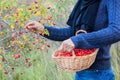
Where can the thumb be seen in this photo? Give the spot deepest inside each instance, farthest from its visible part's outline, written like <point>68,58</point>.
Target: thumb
<point>61,49</point>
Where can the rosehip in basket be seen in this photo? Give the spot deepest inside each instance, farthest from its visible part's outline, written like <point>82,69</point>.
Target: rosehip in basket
<point>83,52</point>
<point>65,54</point>
<point>78,52</point>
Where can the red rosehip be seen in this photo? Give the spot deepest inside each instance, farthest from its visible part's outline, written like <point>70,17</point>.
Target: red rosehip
<point>2,33</point>
<point>27,27</point>
<point>48,46</point>
<point>3,59</point>
<point>36,7</point>
<point>17,56</point>
<point>53,24</point>
<point>33,43</point>
<point>34,12</point>
<point>56,54</point>
<point>13,68</point>
<point>27,60</point>
<point>1,25</point>
<point>29,8</point>
<point>49,18</point>
<point>20,33</point>
<point>29,64</point>
<point>16,64</point>
<point>39,21</point>
<point>35,1</point>
<point>16,21</point>
<point>48,7</point>
<point>66,54</point>
<point>6,72</point>
<point>28,4</point>
<point>39,48</point>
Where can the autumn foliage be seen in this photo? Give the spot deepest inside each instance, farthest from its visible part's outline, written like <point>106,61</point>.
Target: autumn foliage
<point>16,42</point>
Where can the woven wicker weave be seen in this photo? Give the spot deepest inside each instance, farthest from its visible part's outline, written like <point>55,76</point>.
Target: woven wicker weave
<point>75,63</point>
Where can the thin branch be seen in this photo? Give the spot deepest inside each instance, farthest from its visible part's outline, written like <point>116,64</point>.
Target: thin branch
<point>6,22</point>
<point>5,38</point>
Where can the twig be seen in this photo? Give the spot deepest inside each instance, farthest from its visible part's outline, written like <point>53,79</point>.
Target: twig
<point>6,22</point>
<point>5,38</point>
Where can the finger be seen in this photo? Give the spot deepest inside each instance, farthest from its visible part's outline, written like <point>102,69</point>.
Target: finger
<point>32,28</point>
<point>62,48</point>
<point>30,23</point>
<point>68,47</point>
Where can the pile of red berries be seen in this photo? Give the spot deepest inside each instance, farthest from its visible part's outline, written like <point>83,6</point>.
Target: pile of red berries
<point>78,52</point>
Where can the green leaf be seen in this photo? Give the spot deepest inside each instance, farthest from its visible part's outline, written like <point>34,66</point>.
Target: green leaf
<point>46,32</point>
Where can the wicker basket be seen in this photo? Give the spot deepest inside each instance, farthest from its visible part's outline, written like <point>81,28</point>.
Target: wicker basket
<point>75,63</point>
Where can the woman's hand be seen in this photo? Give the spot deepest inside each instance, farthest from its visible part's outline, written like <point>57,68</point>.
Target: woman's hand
<point>67,46</point>
<point>35,27</point>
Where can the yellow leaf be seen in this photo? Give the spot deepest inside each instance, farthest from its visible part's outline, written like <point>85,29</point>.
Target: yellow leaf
<point>2,52</point>
<point>38,13</point>
<point>26,18</point>
<point>22,20</point>
<point>5,17</point>
<point>12,56</point>
<point>15,15</point>
<point>1,57</point>
<point>43,47</point>
<point>0,67</point>
<point>44,13</point>
<point>22,24</point>
<point>36,40</point>
<point>49,21</point>
<point>44,10</point>
<point>12,26</point>
<point>24,37</point>
<point>3,2</point>
<point>20,43</point>
<point>20,10</point>
<point>38,65</point>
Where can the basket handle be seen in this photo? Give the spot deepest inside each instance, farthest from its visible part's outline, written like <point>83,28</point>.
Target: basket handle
<point>83,31</point>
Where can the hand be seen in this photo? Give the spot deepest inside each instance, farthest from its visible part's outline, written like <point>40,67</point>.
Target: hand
<point>67,46</point>
<point>35,27</point>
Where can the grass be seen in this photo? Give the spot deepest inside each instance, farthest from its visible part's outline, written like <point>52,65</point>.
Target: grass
<point>43,68</point>
<point>115,52</point>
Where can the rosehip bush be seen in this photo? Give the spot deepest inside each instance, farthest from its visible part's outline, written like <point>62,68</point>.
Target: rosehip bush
<point>16,42</point>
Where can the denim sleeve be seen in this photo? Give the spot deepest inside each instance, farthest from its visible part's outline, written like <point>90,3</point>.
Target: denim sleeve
<point>59,34</point>
<point>103,37</point>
